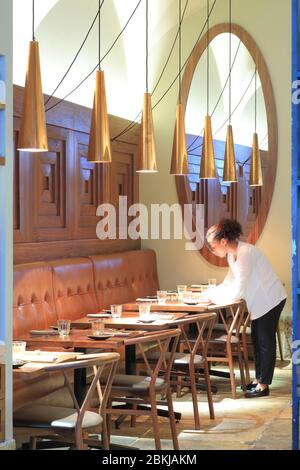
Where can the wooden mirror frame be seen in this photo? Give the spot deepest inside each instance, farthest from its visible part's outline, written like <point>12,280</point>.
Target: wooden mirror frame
<point>182,184</point>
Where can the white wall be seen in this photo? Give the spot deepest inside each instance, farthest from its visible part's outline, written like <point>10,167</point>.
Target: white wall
<point>263,20</point>
<point>6,210</point>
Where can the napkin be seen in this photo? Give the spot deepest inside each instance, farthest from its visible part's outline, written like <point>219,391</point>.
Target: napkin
<point>98,315</point>
<point>141,299</point>
<point>43,332</point>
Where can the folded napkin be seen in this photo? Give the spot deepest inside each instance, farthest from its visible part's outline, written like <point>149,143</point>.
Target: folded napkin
<point>98,315</point>
<point>46,356</point>
<point>121,333</point>
<point>38,357</point>
<point>44,332</point>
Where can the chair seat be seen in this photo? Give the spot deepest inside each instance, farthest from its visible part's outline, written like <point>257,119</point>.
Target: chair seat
<point>223,339</point>
<point>41,416</point>
<point>180,359</point>
<point>136,383</point>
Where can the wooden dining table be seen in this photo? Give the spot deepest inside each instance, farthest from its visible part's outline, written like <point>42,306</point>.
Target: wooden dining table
<point>130,320</point>
<point>169,306</point>
<point>79,341</point>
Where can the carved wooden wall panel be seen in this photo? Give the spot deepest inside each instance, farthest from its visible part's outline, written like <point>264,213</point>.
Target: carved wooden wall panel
<point>89,189</point>
<point>50,197</point>
<point>56,193</point>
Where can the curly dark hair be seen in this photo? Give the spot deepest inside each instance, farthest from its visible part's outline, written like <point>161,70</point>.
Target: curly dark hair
<point>229,229</point>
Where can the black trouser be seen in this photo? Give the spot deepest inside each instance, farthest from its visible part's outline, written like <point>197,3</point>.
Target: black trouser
<point>263,332</point>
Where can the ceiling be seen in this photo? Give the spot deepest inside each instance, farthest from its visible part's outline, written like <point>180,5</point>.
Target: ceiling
<point>61,26</point>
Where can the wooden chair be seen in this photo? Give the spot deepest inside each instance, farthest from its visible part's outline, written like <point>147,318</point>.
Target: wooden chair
<point>230,342</point>
<point>137,390</point>
<point>187,363</point>
<point>71,425</point>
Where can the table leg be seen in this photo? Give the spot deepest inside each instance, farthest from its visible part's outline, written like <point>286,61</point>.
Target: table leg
<point>80,380</point>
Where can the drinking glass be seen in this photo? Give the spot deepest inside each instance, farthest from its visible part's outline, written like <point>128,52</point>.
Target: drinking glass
<point>116,311</point>
<point>97,327</point>
<point>18,347</point>
<point>144,310</point>
<point>187,296</point>
<point>181,289</point>
<point>212,282</point>
<point>64,327</point>
<point>161,296</point>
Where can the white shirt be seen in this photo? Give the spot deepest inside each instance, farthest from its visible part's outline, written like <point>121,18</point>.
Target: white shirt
<point>251,278</point>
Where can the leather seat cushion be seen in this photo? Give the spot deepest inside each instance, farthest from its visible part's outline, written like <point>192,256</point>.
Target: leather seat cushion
<point>223,339</point>
<point>53,416</point>
<point>136,383</point>
<point>180,359</point>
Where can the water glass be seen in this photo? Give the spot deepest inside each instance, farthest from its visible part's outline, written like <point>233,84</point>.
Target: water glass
<point>181,289</point>
<point>97,327</point>
<point>18,347</point>
<point>187,296</point>
<point>161,296</point>
<point>64,327</point>
<point>116,311</point>
<point>144,310</point>
<point>212,282</point>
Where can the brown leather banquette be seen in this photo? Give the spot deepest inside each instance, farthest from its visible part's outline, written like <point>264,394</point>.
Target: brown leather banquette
<point>71,288</point>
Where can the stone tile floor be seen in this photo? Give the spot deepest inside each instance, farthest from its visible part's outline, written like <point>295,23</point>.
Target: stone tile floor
<point>262,423</point>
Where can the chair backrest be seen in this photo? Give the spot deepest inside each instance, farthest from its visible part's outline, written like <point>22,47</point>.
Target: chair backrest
<point>166,341</point>
<point>102,363</point>
<point>235,318</point>
<point>203,324</point>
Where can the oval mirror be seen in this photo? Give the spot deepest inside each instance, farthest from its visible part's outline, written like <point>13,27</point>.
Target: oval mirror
<point>252,103</point>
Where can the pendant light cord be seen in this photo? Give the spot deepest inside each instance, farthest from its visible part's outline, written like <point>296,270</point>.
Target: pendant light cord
<point>255,101</point>
<point>207,61</point>
<point>179,49</point>
<point>33,36</point>
<point>99,32</point>
<point>147,52</point>
<point>229,62</point>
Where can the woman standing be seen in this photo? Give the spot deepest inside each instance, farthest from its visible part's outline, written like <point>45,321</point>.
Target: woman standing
<point>251,278</point>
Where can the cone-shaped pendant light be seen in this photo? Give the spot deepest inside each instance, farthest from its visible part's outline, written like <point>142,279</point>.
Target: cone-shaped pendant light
<point>147,152</point>
<point>99,144</point>
<point>255,167</point>
<point>179,163</point>
<point>33,134</point>
<point>229,172</point>
<point>207,166</point>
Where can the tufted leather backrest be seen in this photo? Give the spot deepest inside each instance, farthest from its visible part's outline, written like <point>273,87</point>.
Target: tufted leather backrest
<point>33,300</point>
<point>122,277</point>
<point>144,273</point>
<point>73,284</point>
<point>73,287</point>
